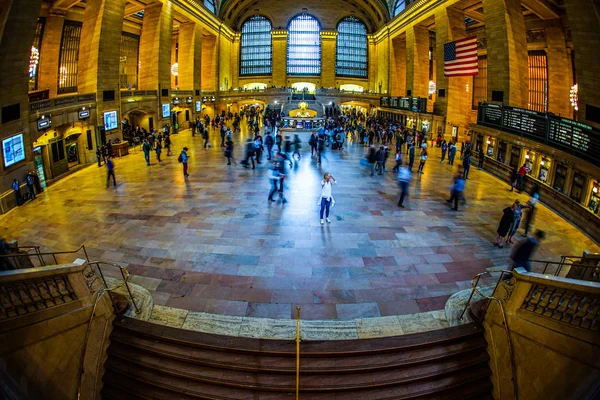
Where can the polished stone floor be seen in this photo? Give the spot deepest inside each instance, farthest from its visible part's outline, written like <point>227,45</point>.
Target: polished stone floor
<point>212,243</point>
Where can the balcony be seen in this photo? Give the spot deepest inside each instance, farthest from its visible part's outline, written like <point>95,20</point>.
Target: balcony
<point>61,102</point>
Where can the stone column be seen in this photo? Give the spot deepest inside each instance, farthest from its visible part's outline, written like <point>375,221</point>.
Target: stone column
<point>585,29</point>
<point>225,75</point>
<point>235,60</point>
<point>450,26</point>
<point>417,61</point>
<point>505,32</point>
<point>190,56</point>
<point>155,47</point>
<point>373,78</point>
<point>398,68</point>
<point>209,62</point>
<point>50,52</point>
<point>99,52</point>
<point>383,64</point>
<point>279,60</point>
<point>328,56</point>
<point>560,74</point>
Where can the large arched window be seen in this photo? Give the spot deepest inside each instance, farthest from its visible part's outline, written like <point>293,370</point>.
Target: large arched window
<point>210,4</point>
<point>304,46</point>
<point>256,55</point>
<point>352,49</point>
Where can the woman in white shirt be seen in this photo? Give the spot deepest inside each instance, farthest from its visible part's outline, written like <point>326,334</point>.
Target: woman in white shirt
<point>326,198</point>
<point>423,160</point>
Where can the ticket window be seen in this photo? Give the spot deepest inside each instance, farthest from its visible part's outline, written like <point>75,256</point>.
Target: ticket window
<point>491,143</point>
<point>560,178</point>
<point>502,151</point>
<point>478,143</point>
<point>544,170</point>
<point>515,157</point>
<point>594,205</point>
<point>578,186</point>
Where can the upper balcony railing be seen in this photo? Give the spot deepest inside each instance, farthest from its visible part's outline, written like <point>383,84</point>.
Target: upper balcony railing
<point>138,93</point>
<point>61,102</point>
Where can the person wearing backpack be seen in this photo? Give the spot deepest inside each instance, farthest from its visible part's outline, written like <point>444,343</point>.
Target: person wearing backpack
<point>183,158</point>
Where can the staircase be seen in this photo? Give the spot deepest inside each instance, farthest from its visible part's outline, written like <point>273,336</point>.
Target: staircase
<point>148,361</point>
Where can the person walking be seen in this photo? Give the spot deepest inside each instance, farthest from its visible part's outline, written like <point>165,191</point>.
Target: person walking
<point>249,154</point>
<point>404,177</point>
<point>223,131</point>
<point>320,147</point>
<point>30,181</point>
<point>444,149</point>
<point>423,160</point>
<point>326,196</point>
<point>532,206</point>
<point>17,189</point>
<point>481,158</point>
<point>269,142</point>
<point>411,155</point>
<point>467,163</point>
<point>206,138</point>
<point>458,188</point>
<point>183,159</point>
<point>110,171</point>
<point>146,147</point>
<point>518,211</point>
<point>258,147</point>
<point>229,151</point>
<point>398,161</point>
<point>313,143</point>
<point>168,144</point>
<point>158,149</point>
<point>507,218</point>
<point>521,254</point>
<point>276,177</point>
<point>451,153</point>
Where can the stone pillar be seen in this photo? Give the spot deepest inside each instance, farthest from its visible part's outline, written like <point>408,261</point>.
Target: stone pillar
<point>155,47</point>
<point>506,51</point>
<point>174,52</point>
<point>190,56</point>
<point>560,74</point>
<point>225,76</point>
<point>398,68</point>
<point>209,62</point>
<point>279,61</point>
<point>328,57</point>
<point>99,52</point>
<point>417,61</point>
<point>585,29</point>
<point>19,21</point>
<point>373,83</point>
<point>383,64</point>
<point>50,52</point>
<point>235,60</point>
<point>455,106</point>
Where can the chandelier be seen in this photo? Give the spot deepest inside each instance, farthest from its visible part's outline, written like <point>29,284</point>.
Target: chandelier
<point>432,87</point>
<point>34,59</point>
<point>303,105</point>
<point>574,96</point>
<point>175,69</point>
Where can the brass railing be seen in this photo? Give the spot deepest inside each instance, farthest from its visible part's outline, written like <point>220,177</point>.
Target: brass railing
<point>37,254</point>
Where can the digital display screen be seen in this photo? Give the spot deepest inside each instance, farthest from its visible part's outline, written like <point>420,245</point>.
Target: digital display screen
<point>44,124</point>
<point>198,106</point>
<point>84,114</point>
<point>13,150</point>
<point>166,110</point>
<point>111,120</point>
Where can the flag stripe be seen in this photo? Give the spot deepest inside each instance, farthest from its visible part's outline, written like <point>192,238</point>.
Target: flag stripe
<point>460,57</point>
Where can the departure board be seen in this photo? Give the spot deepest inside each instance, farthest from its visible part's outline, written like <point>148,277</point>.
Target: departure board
<point>575,137</point>
<point>491,115</point>
<point>524,122</point>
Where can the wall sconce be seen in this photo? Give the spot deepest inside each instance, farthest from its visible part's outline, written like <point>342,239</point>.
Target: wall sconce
<point>489,141</point>
<point>467,87</point>
<point>432,87</point>
<point>542,163</point>
<point>175,69</point>
<point>527,156</point>
<point>595,189</point>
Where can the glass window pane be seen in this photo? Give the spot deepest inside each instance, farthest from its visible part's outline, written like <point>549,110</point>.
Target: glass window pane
<point>352,48</point>
<point>210,4</point>
<point>128,62</point>
<point>399,7</point>
<point>480,82</point>
<point>34,57</point>
<point>69,57</point>
<point>304,46</point>
<point>538,81</point>
<point>255,49</point>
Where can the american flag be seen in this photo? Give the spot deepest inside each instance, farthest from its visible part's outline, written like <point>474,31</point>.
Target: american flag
<point>460,57</point>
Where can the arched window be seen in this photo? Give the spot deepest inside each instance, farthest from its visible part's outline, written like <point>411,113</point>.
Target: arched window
<point>399,6</point>
<point>304,46</point>
<point>210,4</point>
<point>256,55</point>
<point>352,48</point>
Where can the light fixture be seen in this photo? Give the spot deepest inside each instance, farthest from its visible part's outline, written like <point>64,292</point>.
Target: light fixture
<point>34,59</point>
<point>527,156</point>
<point>175,69</point>
<point>489,141</point>
<point>467,87</point>
<point>574,96</point>
<point>276,102</point>
<point>432,87</point>
<point>595,189</point>
<point>542,163</point>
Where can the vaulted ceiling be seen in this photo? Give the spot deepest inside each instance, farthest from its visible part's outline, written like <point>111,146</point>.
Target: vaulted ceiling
<point>374,13</point>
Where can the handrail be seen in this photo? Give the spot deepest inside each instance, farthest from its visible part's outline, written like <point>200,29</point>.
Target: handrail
<point>297,352</point>
<point>41,255</point>
<point>125,281</point>
<point>490,298</point>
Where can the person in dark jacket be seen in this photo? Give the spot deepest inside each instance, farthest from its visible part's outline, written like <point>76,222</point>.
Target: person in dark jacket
<point>30,181</point>
<point>508,215</point>
<point>411,156</point>
<point>110,171</point>
<point>467,163</point>
<point>16,188</point>
<point>524,250</point>
<point>451,153</point>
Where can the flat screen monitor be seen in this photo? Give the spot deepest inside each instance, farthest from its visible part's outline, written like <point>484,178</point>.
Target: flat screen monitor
<point>198,106</point>
<point>43,124</point>
<point>13,150</point>
<point>111,120</point>
<point>84,114</point>
<point>166,110</point>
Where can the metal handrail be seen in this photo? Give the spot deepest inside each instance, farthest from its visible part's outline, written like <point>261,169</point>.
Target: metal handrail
<point>41,255</point>
<point>297,352</point>
<point>125,281</point>
<point>474,289</point>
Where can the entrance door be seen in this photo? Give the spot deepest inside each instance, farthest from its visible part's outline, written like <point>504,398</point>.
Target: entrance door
<point>38,162</point>
<point>150,123</point>
<point>187,115</point>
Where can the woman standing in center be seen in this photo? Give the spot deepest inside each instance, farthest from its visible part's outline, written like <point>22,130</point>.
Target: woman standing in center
<point>326,198</point>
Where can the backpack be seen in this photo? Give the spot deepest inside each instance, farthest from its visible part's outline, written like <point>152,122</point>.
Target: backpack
<point>180,158</point>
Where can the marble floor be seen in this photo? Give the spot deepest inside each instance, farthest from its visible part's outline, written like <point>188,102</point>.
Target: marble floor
<point>212,243</point>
